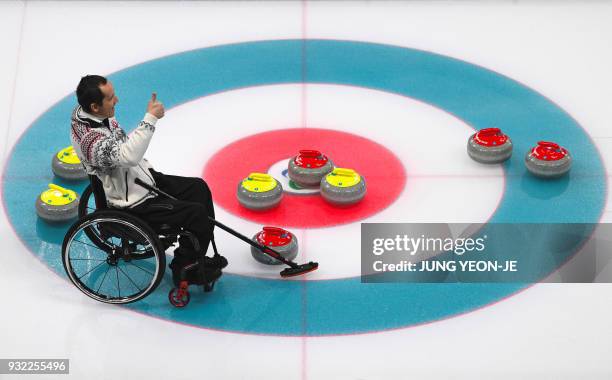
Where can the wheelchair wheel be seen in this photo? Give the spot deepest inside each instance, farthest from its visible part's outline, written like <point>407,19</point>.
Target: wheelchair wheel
<point>87,206</point>
<point>124,263</point>
<point>87,203</point>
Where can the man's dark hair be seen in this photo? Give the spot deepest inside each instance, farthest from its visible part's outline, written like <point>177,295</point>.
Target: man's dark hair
<point>88,91</point>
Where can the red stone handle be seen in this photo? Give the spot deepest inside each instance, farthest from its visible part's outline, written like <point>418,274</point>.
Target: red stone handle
<point>549,145</point>
<point>274,231</point>
<point>489,131</point>
<point>310,153</point>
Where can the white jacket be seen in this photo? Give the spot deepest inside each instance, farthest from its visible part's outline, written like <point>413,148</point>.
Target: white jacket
<point>116,158</point>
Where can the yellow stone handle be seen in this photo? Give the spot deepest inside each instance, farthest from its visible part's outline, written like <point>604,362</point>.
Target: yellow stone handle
<point>261,177</point>
<point>344,172</point>
<point>62,190</point>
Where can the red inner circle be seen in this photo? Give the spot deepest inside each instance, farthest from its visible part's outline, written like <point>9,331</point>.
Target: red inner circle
<point>383,172</point>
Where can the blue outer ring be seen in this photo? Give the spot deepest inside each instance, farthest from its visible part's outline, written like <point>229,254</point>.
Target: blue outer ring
<point>480,97</point>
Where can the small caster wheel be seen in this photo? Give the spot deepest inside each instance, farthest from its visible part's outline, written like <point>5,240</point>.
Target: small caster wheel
<point>179,297</point>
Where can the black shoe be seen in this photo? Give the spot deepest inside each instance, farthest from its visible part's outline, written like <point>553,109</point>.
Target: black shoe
<point>209,272</point>
<point>196,275</point>
<point>185,255</point>
<point>218,261</point>
<point>177,265</point>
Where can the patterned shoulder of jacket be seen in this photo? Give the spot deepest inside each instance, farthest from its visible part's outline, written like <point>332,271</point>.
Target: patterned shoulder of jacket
<point>78,126</point>
<point>117,132</point>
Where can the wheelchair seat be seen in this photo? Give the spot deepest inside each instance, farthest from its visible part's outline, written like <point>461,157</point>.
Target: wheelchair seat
<point>109,229</point>
<point>168,234</point>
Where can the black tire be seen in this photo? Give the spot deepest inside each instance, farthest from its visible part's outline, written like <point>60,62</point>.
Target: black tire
<point>88,208</point>
<point>84,207</point>
<point>132,234</point>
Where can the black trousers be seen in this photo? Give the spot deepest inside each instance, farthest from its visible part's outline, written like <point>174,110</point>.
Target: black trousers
<point>190,211</point>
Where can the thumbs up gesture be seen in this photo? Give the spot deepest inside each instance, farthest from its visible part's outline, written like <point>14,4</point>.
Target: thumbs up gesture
<point>155,107</point>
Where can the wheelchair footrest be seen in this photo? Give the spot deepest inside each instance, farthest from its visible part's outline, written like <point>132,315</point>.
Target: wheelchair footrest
<point>204,272</point>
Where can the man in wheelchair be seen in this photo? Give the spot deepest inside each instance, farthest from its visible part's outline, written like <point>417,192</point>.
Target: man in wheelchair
<point>117,160</point>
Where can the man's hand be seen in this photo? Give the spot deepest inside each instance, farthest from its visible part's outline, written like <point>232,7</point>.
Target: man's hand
<point>155,108</point>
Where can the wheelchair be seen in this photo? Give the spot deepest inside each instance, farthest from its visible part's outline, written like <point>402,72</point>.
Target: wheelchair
<point>115,257</point>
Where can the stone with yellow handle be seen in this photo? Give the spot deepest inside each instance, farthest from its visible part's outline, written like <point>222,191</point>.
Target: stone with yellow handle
<point>259,191</point>
<point>343,187</point>
<point>57,204</point>
<point>67,165</point>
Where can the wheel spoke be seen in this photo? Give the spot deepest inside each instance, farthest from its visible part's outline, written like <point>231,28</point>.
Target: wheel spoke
<point>92,269</point>
<point>118,286</point>
<point>129,278</point>
<point>103,278</point>
<point>93,246</point>
<point>88,259</point>
<point>147,247</point>
<point>112,242</point>
<point>142,269</point>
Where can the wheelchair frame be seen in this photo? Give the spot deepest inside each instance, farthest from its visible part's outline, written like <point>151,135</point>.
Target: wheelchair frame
<point>123,238</point>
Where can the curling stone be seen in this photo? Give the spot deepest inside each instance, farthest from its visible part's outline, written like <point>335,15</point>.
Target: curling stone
<point>280,240</point>
<point>57,204</point>
<point>309,167</point>
<point>66,164</point>
<point>259,191</point>
<point>343,187</point>
<point>489,146</point>
<point>548,160</point>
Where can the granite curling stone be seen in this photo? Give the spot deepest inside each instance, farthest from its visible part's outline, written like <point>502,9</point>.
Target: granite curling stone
<point>343,187</point>
<point>66,164</point>
<point>280,240</point>
<point>259,192</point>
<point>309,167</point>
<point>57,204</point>
<point>489,146</point>
<point>548,160</point>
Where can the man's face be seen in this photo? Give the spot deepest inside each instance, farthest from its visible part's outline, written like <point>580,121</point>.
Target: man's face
<point>107,109</point>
